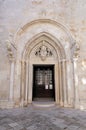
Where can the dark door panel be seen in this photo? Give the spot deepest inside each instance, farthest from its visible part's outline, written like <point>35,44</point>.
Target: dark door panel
<point>43,81</point>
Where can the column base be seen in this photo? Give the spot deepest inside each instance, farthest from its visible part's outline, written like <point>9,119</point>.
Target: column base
<point>77,106</point>
<point>61,103</point>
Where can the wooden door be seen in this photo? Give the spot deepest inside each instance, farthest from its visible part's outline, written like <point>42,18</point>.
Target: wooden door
<point>43,81</point>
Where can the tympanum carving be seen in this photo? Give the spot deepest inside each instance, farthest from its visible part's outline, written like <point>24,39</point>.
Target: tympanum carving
<point>43,52</point>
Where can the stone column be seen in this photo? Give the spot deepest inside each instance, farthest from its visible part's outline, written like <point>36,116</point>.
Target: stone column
<point>26,88</point>
<point>61,85</point>
<point>77,102</point>
<point>64,83</point>
<point>22,82</point>
<point>56,84</point>
<point>11,81</point>
<point>12,57</point>
<point>30,83</point>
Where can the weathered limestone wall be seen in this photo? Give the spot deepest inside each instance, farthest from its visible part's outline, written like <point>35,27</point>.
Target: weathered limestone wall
<point>15,14</point>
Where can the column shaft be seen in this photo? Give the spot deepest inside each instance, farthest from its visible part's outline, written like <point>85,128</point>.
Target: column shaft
<point>11,81</point>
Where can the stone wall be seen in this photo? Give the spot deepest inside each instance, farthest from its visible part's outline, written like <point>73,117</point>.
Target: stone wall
<point>15,14</point>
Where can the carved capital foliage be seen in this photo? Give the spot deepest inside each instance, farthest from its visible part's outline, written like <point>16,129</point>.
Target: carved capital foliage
<point>11,49</point>
<point>75,50</point>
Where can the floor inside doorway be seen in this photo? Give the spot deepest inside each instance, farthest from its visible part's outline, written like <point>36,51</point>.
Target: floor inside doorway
<point>43,99</point>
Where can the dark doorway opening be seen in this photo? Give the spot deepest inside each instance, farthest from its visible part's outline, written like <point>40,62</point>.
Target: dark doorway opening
<point>43,82</point>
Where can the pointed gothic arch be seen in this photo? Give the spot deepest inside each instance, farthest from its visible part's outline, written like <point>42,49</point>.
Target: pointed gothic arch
<point>57,59</point>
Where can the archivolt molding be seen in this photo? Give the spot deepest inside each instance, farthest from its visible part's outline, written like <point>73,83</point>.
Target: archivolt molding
<point>48,38</point>
<point>22,29</point>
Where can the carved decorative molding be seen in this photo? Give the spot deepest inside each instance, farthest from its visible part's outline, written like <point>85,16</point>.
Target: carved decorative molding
<point>77,51</point>
<point>11,50</point>
<point>43,52</point>
<point>45,21</point>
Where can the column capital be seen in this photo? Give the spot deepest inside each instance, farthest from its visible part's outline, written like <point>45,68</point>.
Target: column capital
<point>23,61</point>
<point>11,49</point>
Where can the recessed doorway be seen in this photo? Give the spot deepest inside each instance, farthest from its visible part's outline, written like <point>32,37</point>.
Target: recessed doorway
<point>43,82</point>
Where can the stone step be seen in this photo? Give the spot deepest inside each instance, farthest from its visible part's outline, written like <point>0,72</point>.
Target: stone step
<point>43,104</point>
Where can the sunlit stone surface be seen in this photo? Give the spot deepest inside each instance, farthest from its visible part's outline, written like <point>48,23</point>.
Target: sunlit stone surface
<point>24,25</point>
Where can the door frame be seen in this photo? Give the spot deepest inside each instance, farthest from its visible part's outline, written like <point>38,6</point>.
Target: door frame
<point>53,70</point>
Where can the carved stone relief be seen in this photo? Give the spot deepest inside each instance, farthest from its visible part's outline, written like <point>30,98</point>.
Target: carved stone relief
<point>77,50</point>
<point>43,52</point>
<point>11,50</point>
